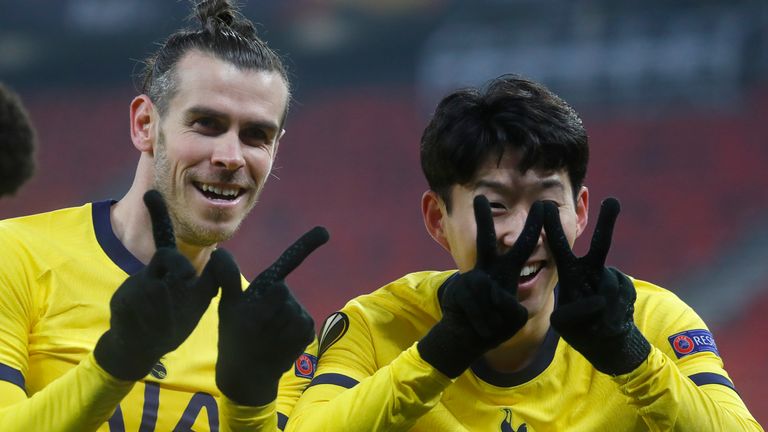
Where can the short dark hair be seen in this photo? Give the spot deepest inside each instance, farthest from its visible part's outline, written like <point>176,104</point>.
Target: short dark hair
<point>17,143</point>
<point>223,33</point>
<point>510,112</point>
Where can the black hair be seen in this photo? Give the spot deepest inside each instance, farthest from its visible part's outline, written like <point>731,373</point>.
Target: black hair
<point>17,143</point>
<point>510,112</point>
<point>223,33</point>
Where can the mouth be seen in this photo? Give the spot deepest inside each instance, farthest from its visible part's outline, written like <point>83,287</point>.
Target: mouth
<point>219,192</point>
<point>530,271</point>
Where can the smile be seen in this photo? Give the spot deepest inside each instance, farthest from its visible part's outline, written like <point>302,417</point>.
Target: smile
<point>530,271</point>
<point>219,192</point>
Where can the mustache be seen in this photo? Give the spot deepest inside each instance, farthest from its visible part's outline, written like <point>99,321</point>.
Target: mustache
<point>224,176</point>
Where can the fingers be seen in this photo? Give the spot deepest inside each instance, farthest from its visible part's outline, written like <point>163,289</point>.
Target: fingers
<point>558,242</point>
<point>486,234</point>
<point>220,271</point>
<point>529,236</point>
<point>601,239</point>
<point>162,228</point>
<point>295,255</point>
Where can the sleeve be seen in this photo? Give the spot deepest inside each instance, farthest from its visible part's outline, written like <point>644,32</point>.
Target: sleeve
<point>683,386</point>
<point>274,415</point>
<point>244,418</point>
<point>82,400</point>
<point>350,392</point>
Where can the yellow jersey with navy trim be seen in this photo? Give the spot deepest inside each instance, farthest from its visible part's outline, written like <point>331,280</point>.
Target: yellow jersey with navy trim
<point>58,271</point>
<point>370,376</point>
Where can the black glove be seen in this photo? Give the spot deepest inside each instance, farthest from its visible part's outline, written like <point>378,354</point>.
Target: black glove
<point>156,309</point>
<point>594,303</point>
<point>263,329</point>
<point>480,307</point>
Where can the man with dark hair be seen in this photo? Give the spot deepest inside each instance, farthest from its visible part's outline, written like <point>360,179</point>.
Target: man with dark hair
<point>524,336</point>
<point>17,143</point>
<point>106,324</point>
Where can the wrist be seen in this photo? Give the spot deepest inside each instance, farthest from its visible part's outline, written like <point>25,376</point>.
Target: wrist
<point>446,352</point>
<point>621,354</point>
<point>120,361</point>
<point>248,392</point>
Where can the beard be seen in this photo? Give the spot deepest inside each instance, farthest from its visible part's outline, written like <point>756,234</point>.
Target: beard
<point>185,225</point>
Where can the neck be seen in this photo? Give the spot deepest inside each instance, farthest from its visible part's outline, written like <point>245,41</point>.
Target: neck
<point>133,227</point>
<point>519,351</point>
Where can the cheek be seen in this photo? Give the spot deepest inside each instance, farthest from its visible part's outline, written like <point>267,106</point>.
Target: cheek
<point>259,163</point>
<point>570,225</point>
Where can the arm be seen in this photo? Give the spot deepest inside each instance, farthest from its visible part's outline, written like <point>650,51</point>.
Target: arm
<point>391,399</point>
<point>82,399</point>
<point>668,400</point>
<point>480,311</point>
<point>595,315</point>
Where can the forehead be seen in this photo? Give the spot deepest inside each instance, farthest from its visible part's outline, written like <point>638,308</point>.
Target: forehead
<point>204,80</point>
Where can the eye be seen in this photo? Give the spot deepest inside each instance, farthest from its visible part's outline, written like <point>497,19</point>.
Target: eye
<point>208,125</point>
<point>497,208</point>
<point>255,137</point>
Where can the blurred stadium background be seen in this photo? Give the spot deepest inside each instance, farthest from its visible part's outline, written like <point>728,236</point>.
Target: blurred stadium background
<point>673,94</point>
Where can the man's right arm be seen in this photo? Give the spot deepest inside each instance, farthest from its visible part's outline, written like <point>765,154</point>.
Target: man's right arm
<point>82,399</point>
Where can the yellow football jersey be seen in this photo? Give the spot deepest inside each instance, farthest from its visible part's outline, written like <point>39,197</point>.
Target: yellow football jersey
<point>58,272</point>
<point>370,376</point>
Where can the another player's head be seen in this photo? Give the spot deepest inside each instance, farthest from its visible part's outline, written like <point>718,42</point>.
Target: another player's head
<point>515,142</point>
<point>209,121</point>
<point>17,143</point>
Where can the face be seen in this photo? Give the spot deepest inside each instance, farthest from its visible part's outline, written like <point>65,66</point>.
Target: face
<point>216,144</point>
<point>511,194</point>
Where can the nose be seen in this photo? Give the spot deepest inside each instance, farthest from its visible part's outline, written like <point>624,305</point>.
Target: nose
<point>228,152</point>
<point>509,229</point>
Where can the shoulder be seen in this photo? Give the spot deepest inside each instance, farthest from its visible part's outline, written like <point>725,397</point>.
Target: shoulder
<point>670,324</point>
<point>414,291</point>
<point>656,303</point>
<point>47,225</point>
<point>40,237</point>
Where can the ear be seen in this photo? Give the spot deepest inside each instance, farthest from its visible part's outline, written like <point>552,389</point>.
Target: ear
<point>582,210</point>
<point>434,213</point>
<point>143,118</point>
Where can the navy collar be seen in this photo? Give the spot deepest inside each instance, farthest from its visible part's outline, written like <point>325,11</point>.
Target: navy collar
<point>112,246</point>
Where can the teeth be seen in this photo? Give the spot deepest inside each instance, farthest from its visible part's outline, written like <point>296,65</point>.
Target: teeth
<point>219,191</point>
<point>529,269</point>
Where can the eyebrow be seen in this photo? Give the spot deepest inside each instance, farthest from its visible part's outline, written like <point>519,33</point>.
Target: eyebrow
<point>545,184</point>
<point>197,111</point>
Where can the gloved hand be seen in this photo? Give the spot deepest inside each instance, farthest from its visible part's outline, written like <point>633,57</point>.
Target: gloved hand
<point>595,304</point>
<point>156,309</point>
<point>480,307</point>
<point>263,329</point>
